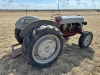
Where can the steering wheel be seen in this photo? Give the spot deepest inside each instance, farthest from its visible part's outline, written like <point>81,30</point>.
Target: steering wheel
<point>54,16</point>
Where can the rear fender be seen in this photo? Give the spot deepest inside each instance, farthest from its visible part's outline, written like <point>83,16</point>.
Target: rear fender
<point>24,21</point>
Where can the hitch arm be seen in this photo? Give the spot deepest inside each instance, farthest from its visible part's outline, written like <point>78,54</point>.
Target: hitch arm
<point>14,53</point>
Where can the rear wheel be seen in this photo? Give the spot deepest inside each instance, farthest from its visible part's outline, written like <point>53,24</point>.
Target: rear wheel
<point>43,46</point>
<point>17,32</point>
<point>85,39</point>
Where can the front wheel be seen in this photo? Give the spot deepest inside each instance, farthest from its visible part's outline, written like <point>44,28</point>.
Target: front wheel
<point>43,46</point>
<point>85,39</point>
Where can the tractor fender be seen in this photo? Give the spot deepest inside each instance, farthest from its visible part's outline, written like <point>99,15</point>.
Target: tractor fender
<point>24,21</point>
<point>35,24</point>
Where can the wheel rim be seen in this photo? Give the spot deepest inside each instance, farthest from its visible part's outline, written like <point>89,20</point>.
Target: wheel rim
<point>87,40</point>
<point>46,49</point>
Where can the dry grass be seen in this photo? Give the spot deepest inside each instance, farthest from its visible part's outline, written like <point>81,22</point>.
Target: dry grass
<point>73,60</point>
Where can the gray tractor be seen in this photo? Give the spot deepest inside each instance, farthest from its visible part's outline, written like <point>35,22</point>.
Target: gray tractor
<point>43,40</point>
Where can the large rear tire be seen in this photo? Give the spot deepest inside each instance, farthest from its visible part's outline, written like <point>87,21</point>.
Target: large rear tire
<point>42,46</point>
<point>17,32</point>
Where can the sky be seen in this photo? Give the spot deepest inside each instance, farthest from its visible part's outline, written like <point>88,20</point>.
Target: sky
<point>49,4</point>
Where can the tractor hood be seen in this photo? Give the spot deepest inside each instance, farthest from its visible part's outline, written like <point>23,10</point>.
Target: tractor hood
<point>71,19</point>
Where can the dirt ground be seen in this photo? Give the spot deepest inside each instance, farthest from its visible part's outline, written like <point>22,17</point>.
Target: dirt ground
<point>73,60</point>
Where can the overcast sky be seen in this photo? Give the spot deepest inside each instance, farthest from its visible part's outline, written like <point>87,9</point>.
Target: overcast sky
<point>49,4</point>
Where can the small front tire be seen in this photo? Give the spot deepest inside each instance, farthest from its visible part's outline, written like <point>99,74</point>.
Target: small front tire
<point>85,39</point>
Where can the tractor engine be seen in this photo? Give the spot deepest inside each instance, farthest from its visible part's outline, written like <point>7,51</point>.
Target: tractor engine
<point>71,27</point>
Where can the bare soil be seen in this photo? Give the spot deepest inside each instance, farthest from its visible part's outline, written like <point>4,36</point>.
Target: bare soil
<point>73,60</point>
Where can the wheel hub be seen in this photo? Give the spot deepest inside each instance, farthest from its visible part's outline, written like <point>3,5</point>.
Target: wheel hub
<point>87,40</point>
<point>46,48</point>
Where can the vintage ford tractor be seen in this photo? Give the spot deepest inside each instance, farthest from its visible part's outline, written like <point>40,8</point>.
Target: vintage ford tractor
<point>43,40</point>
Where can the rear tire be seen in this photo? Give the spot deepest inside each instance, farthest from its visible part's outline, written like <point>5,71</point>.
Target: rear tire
<point>42,46</point>
<point>85,39</point>
<point>17,32</point>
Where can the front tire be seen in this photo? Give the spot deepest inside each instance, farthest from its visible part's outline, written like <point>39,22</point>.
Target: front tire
<point>43,46</point>
<point>85,39</point>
